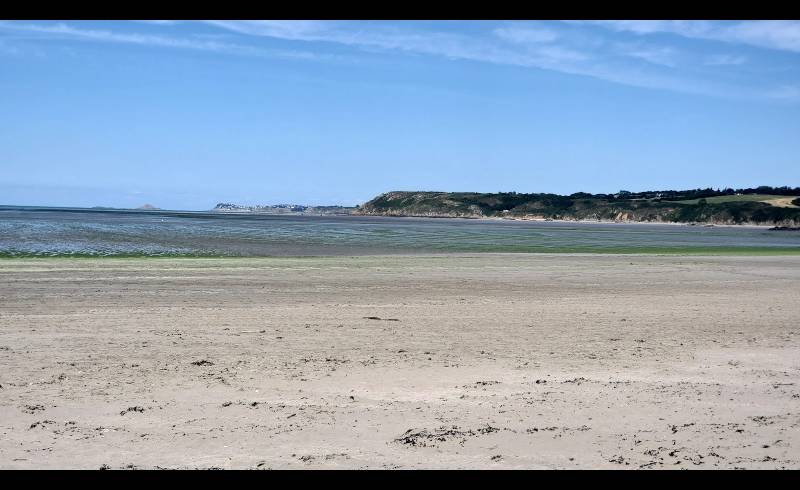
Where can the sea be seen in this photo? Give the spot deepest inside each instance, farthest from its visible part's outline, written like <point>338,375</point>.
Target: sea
<point>27,231</point>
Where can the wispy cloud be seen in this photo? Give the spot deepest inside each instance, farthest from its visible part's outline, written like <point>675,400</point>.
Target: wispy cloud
<point>533,45</point>
<point>300,30</point>
<point>64,31</point>
<point>725,59</point>
<point>773,34</point>
<point>657,55</point>
<point>526,35</point>
<point>620,51</point>
<point>786,92</point>
<point>160,22</point>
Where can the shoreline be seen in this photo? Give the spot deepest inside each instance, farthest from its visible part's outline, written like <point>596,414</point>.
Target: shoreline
<point>700,224</point>
<point>580,221</point>
<point>742,251</point>
<point>359,215</point>
<point>678,252</point>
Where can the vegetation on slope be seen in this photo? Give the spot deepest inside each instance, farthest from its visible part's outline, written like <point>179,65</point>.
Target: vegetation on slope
<point>699,206</point>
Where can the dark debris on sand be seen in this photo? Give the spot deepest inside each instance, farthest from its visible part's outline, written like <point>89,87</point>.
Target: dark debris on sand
<point>202,362</point>
<point>132,409</point>
<point>425,437</point>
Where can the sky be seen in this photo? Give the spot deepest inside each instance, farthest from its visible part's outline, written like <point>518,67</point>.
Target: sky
<point>186,114</point>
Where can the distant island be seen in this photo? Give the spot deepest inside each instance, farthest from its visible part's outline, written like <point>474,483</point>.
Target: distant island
<point>144,207</point>
<point>764,205</point>
<point>291,209</point>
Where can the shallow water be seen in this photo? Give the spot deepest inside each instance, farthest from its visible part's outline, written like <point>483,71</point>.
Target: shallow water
<point>26,231</point>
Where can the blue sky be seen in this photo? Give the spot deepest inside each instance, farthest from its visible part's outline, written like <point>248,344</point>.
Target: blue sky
<point>186,114</point>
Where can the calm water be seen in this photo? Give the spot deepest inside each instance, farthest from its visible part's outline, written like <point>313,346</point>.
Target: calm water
<point>50,231</point>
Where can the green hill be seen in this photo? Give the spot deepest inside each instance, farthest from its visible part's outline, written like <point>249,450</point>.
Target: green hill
<point>766,207</point>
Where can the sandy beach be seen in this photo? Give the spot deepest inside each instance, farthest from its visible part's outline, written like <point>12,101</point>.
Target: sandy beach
<point>450,361</point>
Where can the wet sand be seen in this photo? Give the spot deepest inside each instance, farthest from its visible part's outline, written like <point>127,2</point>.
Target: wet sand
<point>481,361</point>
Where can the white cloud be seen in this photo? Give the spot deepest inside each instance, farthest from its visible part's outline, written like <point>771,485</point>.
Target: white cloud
<point>65,31</point>
<point>777,34</point>
<point>657,55</point>
<point>725,59</point>
<point>159,22</point>
<point>772,34</point>
<point>553,46</point>
<point>301,30</point>
<point>529,47</point>
<point>786,92</point>
<point>526,35</point>
<point>446,44</point>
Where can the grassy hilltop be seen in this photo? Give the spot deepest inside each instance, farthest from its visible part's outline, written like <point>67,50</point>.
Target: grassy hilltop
<point>762,205</point>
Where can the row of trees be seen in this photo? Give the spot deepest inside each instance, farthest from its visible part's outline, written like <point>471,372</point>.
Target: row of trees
<point>691,193</point>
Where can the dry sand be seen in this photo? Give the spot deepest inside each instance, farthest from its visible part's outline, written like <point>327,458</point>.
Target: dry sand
<point>489,361</point>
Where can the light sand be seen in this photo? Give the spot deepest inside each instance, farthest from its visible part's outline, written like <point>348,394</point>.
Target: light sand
<point>494,361</point>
